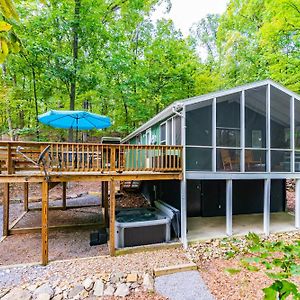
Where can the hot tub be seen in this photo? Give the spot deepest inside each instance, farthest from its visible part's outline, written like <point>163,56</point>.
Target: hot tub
<point>141,226</point>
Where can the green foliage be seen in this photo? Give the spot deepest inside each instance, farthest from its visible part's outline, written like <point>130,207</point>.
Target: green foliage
<point>280,257</point>
<point>129,67</point>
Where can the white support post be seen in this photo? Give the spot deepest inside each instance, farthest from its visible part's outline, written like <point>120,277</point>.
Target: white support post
<point>292,133</point>
<point>268,130</point>
<point>267,195</point>
<point>229,207</point>
<point>297,204</point>
<point>242,132</point>
<point>183,183</point>
<point>214,135</point>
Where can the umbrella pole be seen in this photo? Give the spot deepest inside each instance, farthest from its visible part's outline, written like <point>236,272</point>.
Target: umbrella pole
<point>77,130</point>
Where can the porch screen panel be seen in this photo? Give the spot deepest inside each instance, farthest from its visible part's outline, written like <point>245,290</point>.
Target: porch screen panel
<point>228,120</point>
<point>297,161</point>
<point>199,124</point>
<point>255,160</point>
<point>280,119</point>
<point>280,161</point>
<point>198,159</point>
<point>297,123</point>
<point>228,160</point>
<point>255,117</point>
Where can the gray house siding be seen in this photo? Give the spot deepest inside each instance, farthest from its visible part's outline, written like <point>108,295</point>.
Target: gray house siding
<point>240,146</point>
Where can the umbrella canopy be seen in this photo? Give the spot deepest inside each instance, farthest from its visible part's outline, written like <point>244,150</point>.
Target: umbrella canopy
<point>79,120</point>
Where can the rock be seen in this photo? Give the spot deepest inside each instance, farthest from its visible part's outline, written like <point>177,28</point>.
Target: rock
<point>88,284</point>
<point>134,285</point>
<point>72,196</point>
<point>44,289</point>
<point>109,291</point>
<point>148,282</point>
<point>3,292</point>
<point>58,297</point>
<point>122,290</point>
<point>58,290</point>
<point>76,290</point>
<point>98,288</point>
<point>32,287</point>
<point>43,296</point>
<point>17,294</point>
<point>132,277</point>
<point>117,277</point>
<point>84,294</point>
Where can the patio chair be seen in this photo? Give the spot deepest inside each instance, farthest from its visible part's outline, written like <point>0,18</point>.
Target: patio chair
<point>250,162</point>
<point>227,162</point>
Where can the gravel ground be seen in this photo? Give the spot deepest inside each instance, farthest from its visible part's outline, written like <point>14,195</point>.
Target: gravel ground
<point>75,271</point>
<point>211,259</point>
<point>15,210</point>
<point>183,286</point>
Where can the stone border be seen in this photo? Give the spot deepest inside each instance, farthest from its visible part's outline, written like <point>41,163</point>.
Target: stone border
<point>175,269</point>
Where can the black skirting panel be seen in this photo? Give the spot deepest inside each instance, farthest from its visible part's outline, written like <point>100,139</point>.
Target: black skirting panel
<point>207,198</point>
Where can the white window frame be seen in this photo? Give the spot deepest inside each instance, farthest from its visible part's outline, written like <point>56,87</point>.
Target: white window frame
<point>148,131</point>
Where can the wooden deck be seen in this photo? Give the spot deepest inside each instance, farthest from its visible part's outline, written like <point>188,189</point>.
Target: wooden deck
<point>82,158</point>
<point>22,162</point>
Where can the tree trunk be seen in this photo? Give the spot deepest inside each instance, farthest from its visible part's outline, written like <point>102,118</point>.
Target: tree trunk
<point>8,113</point>
<point>35,104</point>
<point>75,30</point>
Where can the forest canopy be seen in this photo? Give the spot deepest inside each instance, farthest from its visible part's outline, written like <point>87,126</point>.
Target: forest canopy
<point>111,58</point>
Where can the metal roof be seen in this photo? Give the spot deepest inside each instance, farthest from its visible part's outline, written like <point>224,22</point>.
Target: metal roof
<point>169,110</point>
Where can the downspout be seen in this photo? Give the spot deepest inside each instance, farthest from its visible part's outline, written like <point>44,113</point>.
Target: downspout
<point>183,202</point>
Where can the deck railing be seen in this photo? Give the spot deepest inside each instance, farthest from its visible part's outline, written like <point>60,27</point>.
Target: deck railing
<point>87,157</point>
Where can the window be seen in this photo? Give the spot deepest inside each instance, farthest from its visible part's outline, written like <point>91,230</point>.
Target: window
<point>256,140</point>
<point>170,132</point>
<point>163,128</point>
<point>177,130</point>
<point>148,137</point>
<point>139,139</point>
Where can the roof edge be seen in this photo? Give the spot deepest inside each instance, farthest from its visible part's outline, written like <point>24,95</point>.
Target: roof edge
<point>168,111</point>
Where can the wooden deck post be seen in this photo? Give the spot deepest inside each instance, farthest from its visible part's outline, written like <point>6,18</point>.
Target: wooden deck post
<point>5,209</point>
<point>105,201</point>
<point>26,196</point>
<point>112,218</point>
<point>64,195</point>
<point>45,194</point>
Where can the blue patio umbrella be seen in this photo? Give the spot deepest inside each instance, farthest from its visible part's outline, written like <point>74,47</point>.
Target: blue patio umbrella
<point>78,120</point>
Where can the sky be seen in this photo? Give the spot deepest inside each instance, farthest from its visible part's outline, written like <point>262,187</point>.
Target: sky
<point>186,12</point>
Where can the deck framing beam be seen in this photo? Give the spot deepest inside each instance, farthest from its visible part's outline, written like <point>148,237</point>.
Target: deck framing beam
<point>64,195</point>
<point>26,192</point>
<point>104,195</point>
<point>45,230</point>
<point>15,178</point>
<point>6,197</point>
